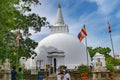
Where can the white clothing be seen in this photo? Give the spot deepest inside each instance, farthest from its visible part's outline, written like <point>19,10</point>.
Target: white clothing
<point>67,76</point>
<point>58,77</point>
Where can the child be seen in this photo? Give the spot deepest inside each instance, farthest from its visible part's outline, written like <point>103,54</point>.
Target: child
<point>20,74</point>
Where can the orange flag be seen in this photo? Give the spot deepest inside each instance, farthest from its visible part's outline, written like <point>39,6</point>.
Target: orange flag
<point>82,34</point>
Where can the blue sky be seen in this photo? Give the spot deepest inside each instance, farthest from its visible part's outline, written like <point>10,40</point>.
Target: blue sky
<point>93,13</point>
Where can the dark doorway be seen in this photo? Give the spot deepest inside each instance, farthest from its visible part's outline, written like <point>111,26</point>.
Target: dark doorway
<point>55,65</point>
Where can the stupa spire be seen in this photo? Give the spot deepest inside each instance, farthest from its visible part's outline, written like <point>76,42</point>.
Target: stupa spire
<point>60,26</point>
<point>59,6</point>
<point>59,17</point>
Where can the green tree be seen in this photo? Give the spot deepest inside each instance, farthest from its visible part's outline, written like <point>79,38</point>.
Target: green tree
<point>100,50</point>
<point>13,52</point>
<point>12,18</point>
<point>91,51</point>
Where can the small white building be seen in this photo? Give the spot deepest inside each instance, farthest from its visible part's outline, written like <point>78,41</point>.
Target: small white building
<point>101,57</point>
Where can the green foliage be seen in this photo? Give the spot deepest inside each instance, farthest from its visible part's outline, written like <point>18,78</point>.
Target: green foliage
<point>110,67</point>
<point>100,50</point>
<point>83,69</point>
<point>113,61</point>
<point>27,48</point>
<point>11,51</point>
<point>118,61</point>
<point>6,14</point>
<point>91,51</point>
<point>12,17</point>
<point>30,21</point>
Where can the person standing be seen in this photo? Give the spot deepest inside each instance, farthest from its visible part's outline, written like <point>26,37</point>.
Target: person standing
<point>20,74</point>
<point>67,76</point>
<point>14,73</point>
<point>59,76</point>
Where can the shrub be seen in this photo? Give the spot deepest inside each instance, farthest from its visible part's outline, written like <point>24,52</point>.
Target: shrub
<point>110,67</point>
<point>83,69</point>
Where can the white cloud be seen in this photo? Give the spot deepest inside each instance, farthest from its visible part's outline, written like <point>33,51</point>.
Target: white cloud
<point>106,6</point>
<point>45,10</point>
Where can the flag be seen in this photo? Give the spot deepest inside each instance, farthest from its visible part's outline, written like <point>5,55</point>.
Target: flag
<point>109,29</point>
<point>17,37</point>
<point>82,34</point>
<point>84,30</point>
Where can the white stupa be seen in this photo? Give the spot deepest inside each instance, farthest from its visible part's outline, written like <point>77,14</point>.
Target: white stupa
<point>61,48</point>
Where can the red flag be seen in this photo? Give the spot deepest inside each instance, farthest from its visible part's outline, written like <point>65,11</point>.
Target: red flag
<point>17,37</point>
<point>82,34</point>
<point>109,29</point>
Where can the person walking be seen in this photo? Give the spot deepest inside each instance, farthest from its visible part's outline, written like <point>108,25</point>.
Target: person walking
<point>14,73</point>
<point>20,74</point>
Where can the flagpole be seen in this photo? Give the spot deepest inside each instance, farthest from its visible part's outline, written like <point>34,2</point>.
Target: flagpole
<point>112,44</point>
<point>86,46</point>
<point>109,30</point>
<point>82,35</point>
<point>86,51</point>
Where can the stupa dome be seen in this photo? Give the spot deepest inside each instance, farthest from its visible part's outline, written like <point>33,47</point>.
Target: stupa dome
<point>74,52</point>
